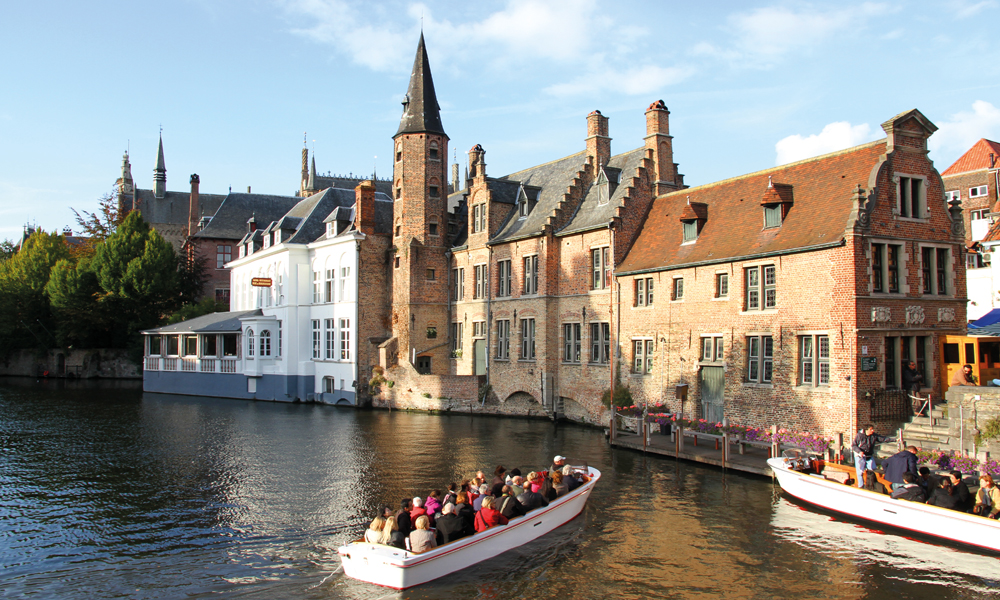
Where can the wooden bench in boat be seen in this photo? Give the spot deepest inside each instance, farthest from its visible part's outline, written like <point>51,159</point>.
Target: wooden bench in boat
<point>832,466</point>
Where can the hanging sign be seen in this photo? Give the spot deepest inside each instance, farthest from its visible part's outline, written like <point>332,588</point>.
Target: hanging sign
<point>261,282</point>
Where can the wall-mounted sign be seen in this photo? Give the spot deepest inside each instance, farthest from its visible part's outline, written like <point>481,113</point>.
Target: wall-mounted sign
<point>869,363</point>
<point>261,282</point>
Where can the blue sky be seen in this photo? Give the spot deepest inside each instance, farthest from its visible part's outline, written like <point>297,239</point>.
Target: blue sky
<point>235,83</point>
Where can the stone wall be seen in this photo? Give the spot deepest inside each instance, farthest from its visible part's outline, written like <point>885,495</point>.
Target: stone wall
<point>75,363</point>
<point>969,408</point>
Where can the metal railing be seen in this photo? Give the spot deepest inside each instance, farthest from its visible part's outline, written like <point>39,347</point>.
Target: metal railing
<point>890,405</point>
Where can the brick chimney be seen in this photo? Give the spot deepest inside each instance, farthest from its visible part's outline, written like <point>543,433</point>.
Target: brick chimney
<point>364,207</point>
<point>477,163</point>
<point>194,205</point>
<point>660,147</point>
<point>598,142</point>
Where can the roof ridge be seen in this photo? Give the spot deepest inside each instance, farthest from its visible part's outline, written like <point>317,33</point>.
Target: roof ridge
<point>552,162</point>
<point>775,168</point>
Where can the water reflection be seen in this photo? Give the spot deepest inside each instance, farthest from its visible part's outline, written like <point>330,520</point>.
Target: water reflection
<point>105,492</point>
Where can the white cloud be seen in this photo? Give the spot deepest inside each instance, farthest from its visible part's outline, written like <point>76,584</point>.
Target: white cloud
<point>765,34</point>
<point>964,10</point>
<point>963,129</point>
<point>835,136</point>
<point>637,81</point>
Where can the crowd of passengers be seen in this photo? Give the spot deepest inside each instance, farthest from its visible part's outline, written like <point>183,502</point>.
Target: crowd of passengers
<point>470,507</point>
<point>907,482</point>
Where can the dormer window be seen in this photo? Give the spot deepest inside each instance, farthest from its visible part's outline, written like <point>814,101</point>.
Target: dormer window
<point>603,189</point>
<point>777,201</point>
<point>267,240</point>
<point>524,204</point>
<point>331,229</point>
<point>693,219</point>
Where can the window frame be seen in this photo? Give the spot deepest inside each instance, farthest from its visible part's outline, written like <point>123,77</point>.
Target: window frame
<point>600,268</point>
<point>503,339</point>
<point>812,360</point>
<point>906,204</point>
<point>677,289</point>
<point>528,339</point>
<point>317,339</point>
<point>760,359</point>
<point>530,279</point>
<point>600,343</point>
<point>572,343</point>
<point>504,278</point>
<point>643,289</point>
<point>980,191</point>
<point>722,285</point>
<point>643,353</point>
<point>712,348</point>
<point>755,279</point>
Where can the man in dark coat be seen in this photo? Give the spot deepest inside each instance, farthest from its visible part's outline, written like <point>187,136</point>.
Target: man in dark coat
<point>910,490</point>
<point>508,505</point>
<point>913,380</point>
<point>961,491</point>
<point>531,500</point>
<point>899,463</point>
<point>865,446</point>
<point>449,525</point>
<point>403,517</point>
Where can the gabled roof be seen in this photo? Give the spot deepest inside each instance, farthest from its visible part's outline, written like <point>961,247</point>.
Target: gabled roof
<point>975,158</point>
<point>824,198</point>
<point>173,207</point>
<point>230,220</point>
<point>220,322</point>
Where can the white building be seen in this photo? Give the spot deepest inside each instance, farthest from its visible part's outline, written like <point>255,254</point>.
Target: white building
<point>295,299</point>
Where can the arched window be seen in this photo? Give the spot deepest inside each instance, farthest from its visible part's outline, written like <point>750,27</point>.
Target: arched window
<point>265,343</point>
<point>250,343</point>
<point>331,274</point>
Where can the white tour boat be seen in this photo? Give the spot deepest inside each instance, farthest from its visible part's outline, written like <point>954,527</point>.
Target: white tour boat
<point>401,569</point>
<point>924,519</point>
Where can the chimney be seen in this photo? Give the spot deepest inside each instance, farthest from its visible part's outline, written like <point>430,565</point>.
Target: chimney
<point>454,178</point>
<point>993,160</point>
<point>598,142</point>
<point>659,147</point>
<point>364,207</point>
<point>477,163</point>
<point>67,232</point>
<point>194,204</point>
<point>248,189</point>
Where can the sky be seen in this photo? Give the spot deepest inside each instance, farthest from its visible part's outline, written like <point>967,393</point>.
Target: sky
<point>239,85</point>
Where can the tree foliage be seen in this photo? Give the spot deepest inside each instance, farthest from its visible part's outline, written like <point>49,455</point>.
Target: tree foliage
<point>100,225</point>
<point>25,315</point>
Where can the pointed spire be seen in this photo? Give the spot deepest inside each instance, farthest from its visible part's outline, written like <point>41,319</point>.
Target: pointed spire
<point>312,175</point>
<point>160,172</point>
<point>421,112</point>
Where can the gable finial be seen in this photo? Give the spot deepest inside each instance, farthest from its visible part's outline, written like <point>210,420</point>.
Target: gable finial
<point>769,184</point>
<point>689,200</point>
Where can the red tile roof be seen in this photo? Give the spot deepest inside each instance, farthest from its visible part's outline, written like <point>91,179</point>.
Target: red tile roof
<point>976,158</point>
<point>824,191</point>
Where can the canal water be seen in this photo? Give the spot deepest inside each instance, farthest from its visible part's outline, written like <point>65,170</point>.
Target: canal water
<point>106,492</point>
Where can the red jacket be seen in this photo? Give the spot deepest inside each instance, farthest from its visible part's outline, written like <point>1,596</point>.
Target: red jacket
<point>416,512</point>
<point>488,517</point>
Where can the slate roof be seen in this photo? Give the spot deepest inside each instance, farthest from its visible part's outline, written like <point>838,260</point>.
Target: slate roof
<point>220,322</point>
<point>308,217</point>
<point>323,181</point>
<point>173,207</point>
<point>230,220</point>
<point>822,191</point>
<point>549,183</point>
<point>975,158</point>
<point>421,112</point>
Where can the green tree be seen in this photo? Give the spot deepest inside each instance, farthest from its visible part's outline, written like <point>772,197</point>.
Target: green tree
<point>136,270</point>
<point>206,306</point>
<point>100,225</point>
<point>7,250</point>
<point>25,314</point>
<point>73,292</point>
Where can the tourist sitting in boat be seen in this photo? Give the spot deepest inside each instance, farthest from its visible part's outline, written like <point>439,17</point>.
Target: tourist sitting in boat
<point>450,526</point>
<point>391,535</point>
<point>387,511</point>
<point>558,463</point>
<point>517,485</point>
<point>433,505</point>
<point>452,494</point>
<point>927,480</point>
<point>910,490</point>
<point>488,516</point>
<point>570,479</point>
<point>865,447</point>
<point>422,538</point>
<point>534,480</point>
<point>515,472</point>
<point>899,463</point>
<point>531,500</point>
<point>464,510</point>
<point>478,502</point>
<point>499,476</point>
<point>403,521</point>
<point>507,503</point>
<point>375,530</point>
<point>961,489</point>
<point>559,484</point>
<point>945,497</point>
<point>871,482</point>
<point>417,509</point>
<point>548,490</point>
<point>987,498</point>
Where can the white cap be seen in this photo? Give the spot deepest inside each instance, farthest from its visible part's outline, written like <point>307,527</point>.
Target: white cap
<point>559,458</point>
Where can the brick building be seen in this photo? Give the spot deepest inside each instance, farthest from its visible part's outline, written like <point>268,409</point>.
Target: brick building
<point>773,289</point>
<point>974,180</point>
<point>502,292</point>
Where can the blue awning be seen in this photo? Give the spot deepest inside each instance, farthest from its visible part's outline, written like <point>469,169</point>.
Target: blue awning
<point>988,319</point>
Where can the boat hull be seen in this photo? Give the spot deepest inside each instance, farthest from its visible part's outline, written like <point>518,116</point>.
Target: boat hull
<point>948,525</point>
<point>401,569</point>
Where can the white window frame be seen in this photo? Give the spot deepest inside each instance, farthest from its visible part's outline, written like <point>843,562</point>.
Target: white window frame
<point>600,268</point>
<point>644,291</point>
<point>677,289</point>
<point>979,191</point>
<point>712,348</point>
<point>760,359</point>
<point>345,339</point>
<point>755,279</point>
<point>330,337</point>
<point>317,339</point>
<point>952,195</point>
<point>643,352</point>
<point>721,285</point>
<point>481,281</point>
<point>814,360</point>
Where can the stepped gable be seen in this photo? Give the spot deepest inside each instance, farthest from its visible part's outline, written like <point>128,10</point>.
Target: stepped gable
<point>458,215</point>
<point>230,220</point>
<point>975,158</point>
<point>824,189</point>
<point>591,214</point>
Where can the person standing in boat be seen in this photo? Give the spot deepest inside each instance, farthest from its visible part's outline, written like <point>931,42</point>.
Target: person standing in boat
<point>865,447</point>
<point>899,463</point>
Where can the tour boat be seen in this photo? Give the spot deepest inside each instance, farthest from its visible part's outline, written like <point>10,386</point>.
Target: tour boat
<point>401,569</point>
<point>925,519</point>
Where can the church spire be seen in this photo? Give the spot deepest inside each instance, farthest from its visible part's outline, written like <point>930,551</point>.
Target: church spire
<point>160,172</point>
<point>311,186</point>
<point>421,112</point>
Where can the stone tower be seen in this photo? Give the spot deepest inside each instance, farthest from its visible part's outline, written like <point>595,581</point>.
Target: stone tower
<point>126,187</point>
<point>420,319</point>
<point>160,173</point>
